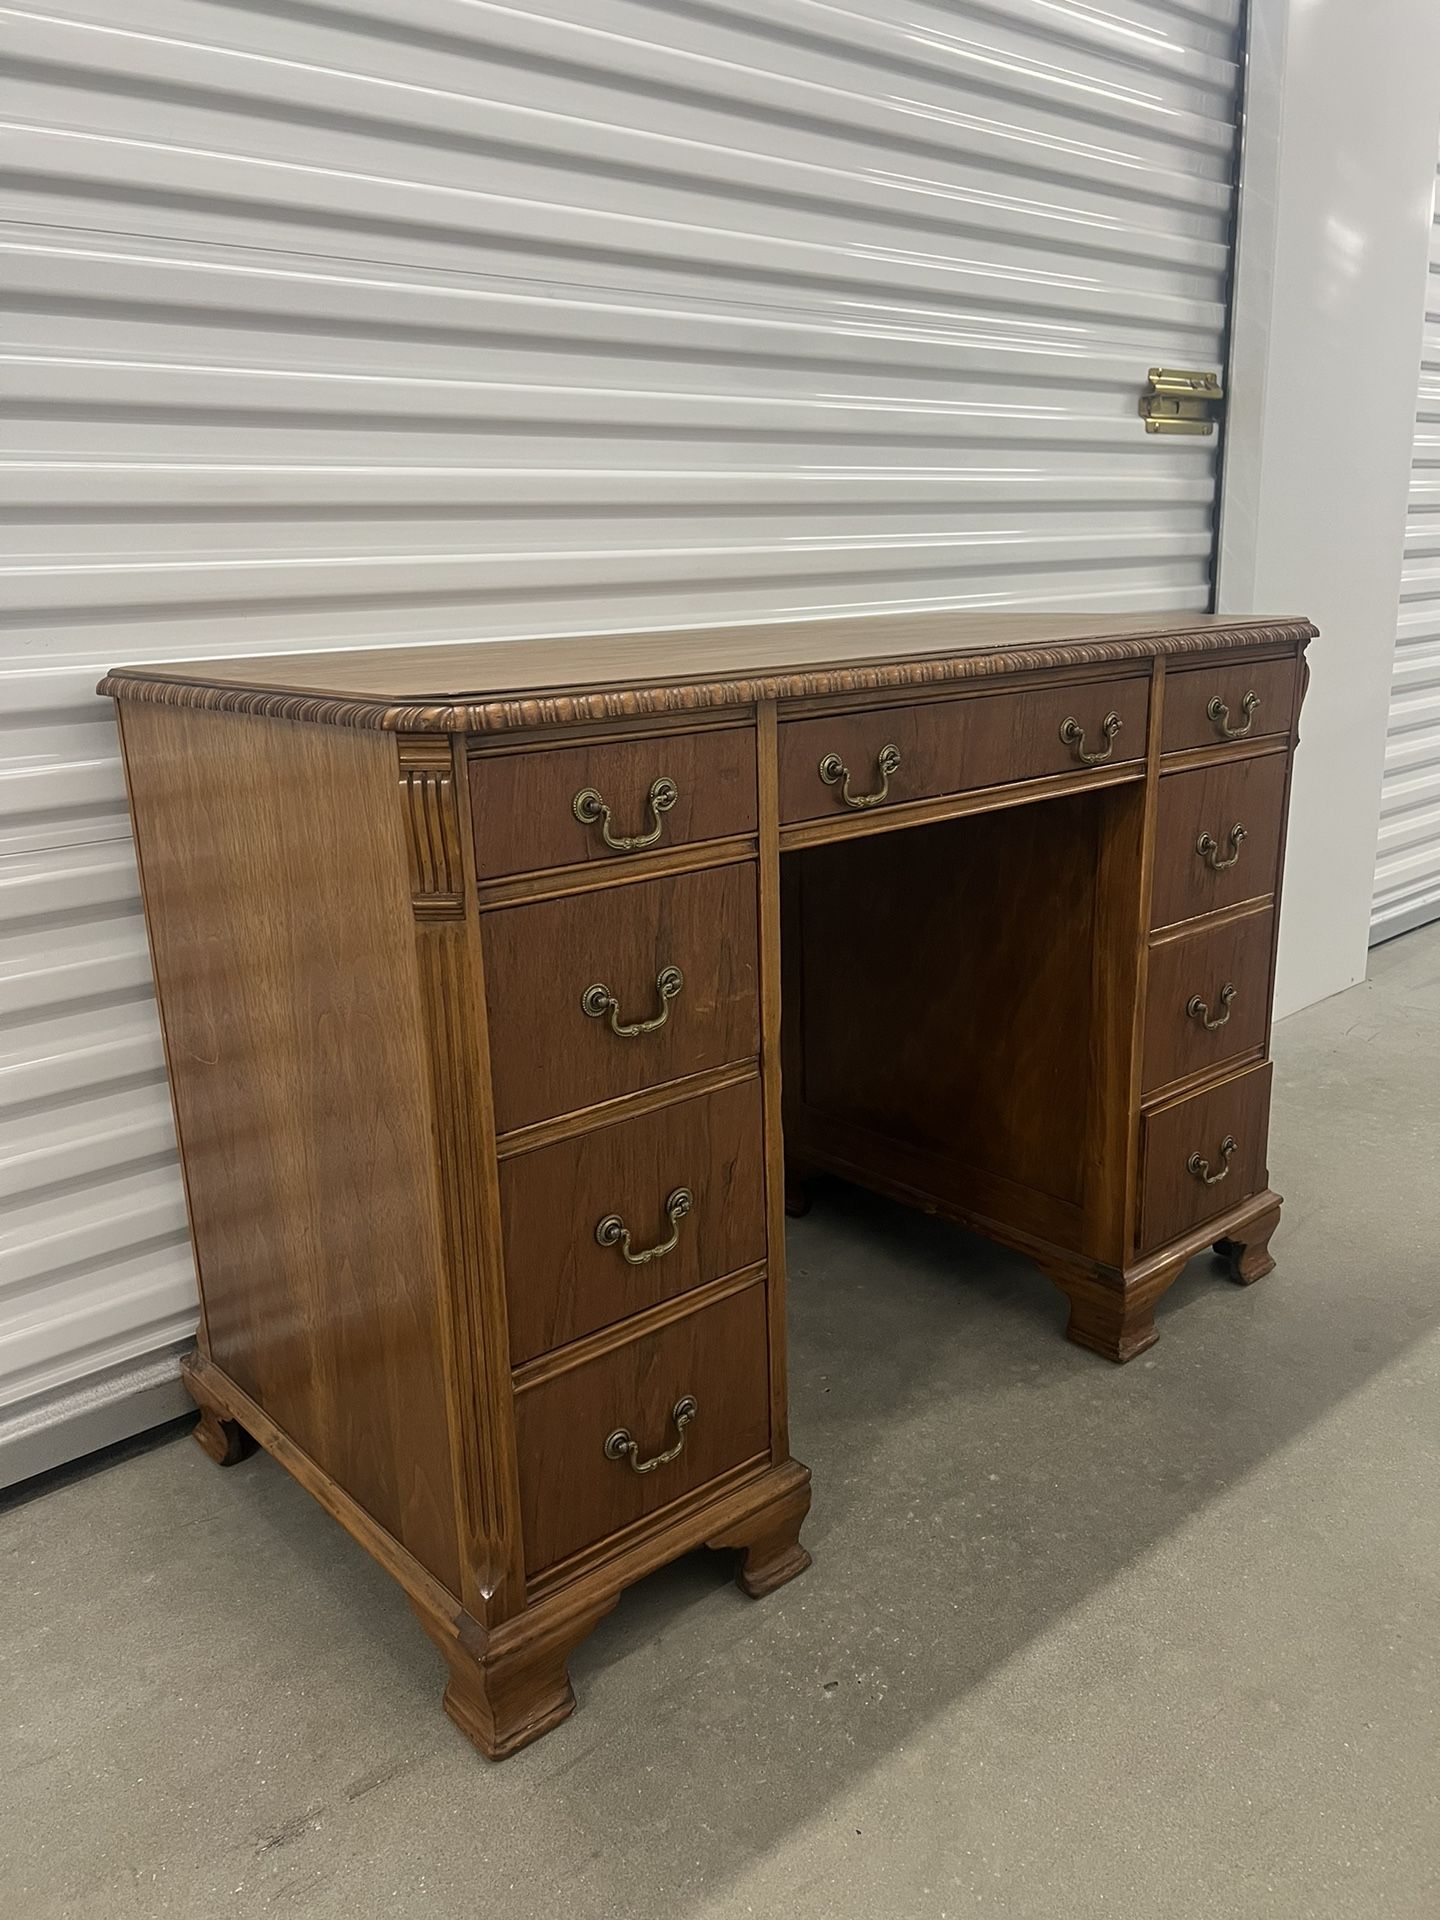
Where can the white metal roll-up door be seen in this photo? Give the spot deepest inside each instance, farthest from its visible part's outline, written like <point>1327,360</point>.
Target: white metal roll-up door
<point>1407,864</point>
<point>377,322</point>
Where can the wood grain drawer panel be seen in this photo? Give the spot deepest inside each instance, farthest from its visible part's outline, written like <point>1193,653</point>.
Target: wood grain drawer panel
<point>524,803</point>
<point>1199,968</point>
<point>1212,800</point>
<point>563,1283</point>
<point>1188,694</point>
<point>1177,1199</point>
<point>571,1495</point>
<point>549,1057</point>
<point>954,746</point>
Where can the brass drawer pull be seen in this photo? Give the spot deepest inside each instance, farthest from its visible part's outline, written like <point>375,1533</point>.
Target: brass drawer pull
<point>833,771</point>
<point>613,1232</point>
<point>1201,1168</point>
<point>597,1001</point>
<point>589,808</point>
<point>1073,734</point>
<point>1219,713</point>
<point>1209,849</point>
<point>1198,1010</point>
<point>621,1446</point>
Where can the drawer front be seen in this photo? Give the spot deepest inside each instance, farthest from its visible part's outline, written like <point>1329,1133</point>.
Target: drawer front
<point>572,1493</point>
<point>525,804</point>
<point>1236,700</point>
<point>954,746</point>
<point>1207,998</point>
<point>565,1278</point>
<point>1214,802</point>
<point>609,950</point>
<point>1186,1142</point>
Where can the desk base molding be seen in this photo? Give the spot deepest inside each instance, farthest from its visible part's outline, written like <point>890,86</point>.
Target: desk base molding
<point>1246,1246</point>
<point>1112,1319</point>
<point>1111,1313</point>
<point>1114,1315</point>
<point>511,1684</point>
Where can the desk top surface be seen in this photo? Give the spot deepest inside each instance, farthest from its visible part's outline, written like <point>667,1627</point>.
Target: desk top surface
<point>495,685</point>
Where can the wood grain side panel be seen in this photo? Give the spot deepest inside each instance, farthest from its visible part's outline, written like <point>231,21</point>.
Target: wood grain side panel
<point>523,803</point>
<point>477,1354</point>
<point>572,1494</point>
<point>772,1018</point>
<point>277,888</point>
<point>549,1057</point>
<point>563,1283</point>
<point>1122,954</point>
<point>1111,1098</point>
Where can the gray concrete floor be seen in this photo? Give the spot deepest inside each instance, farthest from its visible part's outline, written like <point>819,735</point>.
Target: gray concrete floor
<point>1078,1640</point>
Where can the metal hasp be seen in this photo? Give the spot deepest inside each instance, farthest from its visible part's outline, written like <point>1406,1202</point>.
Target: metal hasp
<point>1181,401</point>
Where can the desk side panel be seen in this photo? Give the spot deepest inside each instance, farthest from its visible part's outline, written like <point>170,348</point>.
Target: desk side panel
<point>278,900</point>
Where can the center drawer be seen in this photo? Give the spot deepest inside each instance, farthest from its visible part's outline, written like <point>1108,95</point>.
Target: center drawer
<point>578,1482</point>
<point>692,1173</point>
<point>843,762</point>
<point>603,993</point>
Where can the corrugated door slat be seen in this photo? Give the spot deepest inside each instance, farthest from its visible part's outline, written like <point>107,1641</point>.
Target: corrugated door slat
<point>369,323</point>
<point>1407,865</point>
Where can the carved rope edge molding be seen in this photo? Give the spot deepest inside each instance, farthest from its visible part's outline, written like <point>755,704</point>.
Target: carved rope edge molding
<point>504,712</point>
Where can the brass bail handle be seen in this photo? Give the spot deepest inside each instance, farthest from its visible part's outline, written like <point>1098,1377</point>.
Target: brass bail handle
<point>834,772</point>
<point>622,1446</point>
<point>1219,714</point>
<point>1198,1009</point>
<point>1201,1167</point>
<point>613,1232</point>
<point>1208,849</point>
<point>1073,734</point>
<point>590,810</point>
<point>597,1001</point>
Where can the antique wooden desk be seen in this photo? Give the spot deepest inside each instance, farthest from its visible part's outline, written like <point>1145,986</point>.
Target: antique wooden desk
<point>471,963</point>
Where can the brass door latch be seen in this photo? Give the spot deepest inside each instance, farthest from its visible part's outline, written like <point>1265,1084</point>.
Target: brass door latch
<point>1181,401</point>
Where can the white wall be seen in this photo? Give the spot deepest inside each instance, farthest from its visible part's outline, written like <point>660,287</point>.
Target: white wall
<point>1407,865</point>
<point>1342,117</point>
